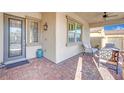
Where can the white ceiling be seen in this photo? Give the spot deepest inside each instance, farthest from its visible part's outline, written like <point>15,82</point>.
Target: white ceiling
<point>96,17</point>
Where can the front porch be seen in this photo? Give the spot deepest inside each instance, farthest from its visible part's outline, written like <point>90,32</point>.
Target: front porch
<point>60,37</point>
<point>79,67</point>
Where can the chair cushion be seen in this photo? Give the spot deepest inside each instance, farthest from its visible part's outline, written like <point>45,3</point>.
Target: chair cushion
<point>109,45</point>
<point>105,53</point>
<point>94,50</point>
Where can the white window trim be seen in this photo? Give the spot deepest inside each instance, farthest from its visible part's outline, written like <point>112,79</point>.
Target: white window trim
<point>73,43</point>
<point>28,19</point>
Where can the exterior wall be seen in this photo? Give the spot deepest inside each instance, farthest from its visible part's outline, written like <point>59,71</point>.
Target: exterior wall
<point>49,36</point>
<point>96,35</point>
<point>97,38</point>
<point>96,41</point>
<point>54,39</point>
<point>62,51</point>
<point>104,41</point>
<point>118,40</point>
<point>30,50</point>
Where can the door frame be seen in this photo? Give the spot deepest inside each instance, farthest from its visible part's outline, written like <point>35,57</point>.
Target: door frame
<point>6,26</point>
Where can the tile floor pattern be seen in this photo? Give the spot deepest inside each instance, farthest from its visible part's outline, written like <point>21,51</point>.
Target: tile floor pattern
<point>43,69</point>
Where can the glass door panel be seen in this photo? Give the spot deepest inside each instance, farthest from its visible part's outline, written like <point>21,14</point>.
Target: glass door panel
<point>15,38</point>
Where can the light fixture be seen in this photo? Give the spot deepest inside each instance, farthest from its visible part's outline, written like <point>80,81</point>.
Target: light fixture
<point>45,26</point>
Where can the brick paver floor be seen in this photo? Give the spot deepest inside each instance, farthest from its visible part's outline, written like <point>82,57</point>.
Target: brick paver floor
<point>43,69</point>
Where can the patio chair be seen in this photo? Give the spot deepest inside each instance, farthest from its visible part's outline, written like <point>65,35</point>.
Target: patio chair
<point>87,49</point>
<point>110,45</point>
<point>109,55</point>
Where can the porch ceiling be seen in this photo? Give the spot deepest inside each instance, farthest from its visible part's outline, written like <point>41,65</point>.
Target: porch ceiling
<point>94,18</point>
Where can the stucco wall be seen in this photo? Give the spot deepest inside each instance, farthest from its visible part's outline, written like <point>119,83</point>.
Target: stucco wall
<point>101,38</point>
<point>54,39</point>
<point>118,41</point>
<point>62,51</point>
<point>30,50</point>
<point>96,41</point>
<point>49,36</point>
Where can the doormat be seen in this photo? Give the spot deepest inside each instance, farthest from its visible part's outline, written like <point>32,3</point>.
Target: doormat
<point>16,64</point>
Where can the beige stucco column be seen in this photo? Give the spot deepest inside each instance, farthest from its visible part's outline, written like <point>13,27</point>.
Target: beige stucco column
<point>123,44</point>
<point>104,41</point>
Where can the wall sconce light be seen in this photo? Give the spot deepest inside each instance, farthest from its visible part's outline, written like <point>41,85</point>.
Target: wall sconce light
<point>45,26</point>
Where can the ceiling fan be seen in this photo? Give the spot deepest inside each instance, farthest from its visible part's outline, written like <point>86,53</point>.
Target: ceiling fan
<point>107,15</point>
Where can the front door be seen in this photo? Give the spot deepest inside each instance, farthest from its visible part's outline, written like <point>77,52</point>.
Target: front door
<point>14,38</point>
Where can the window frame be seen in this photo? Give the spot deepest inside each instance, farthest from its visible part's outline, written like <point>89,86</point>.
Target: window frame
<point>28,21</point>
<point>68,18</point>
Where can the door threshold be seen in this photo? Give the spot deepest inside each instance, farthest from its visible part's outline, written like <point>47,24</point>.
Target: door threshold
<point>14,61</point>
